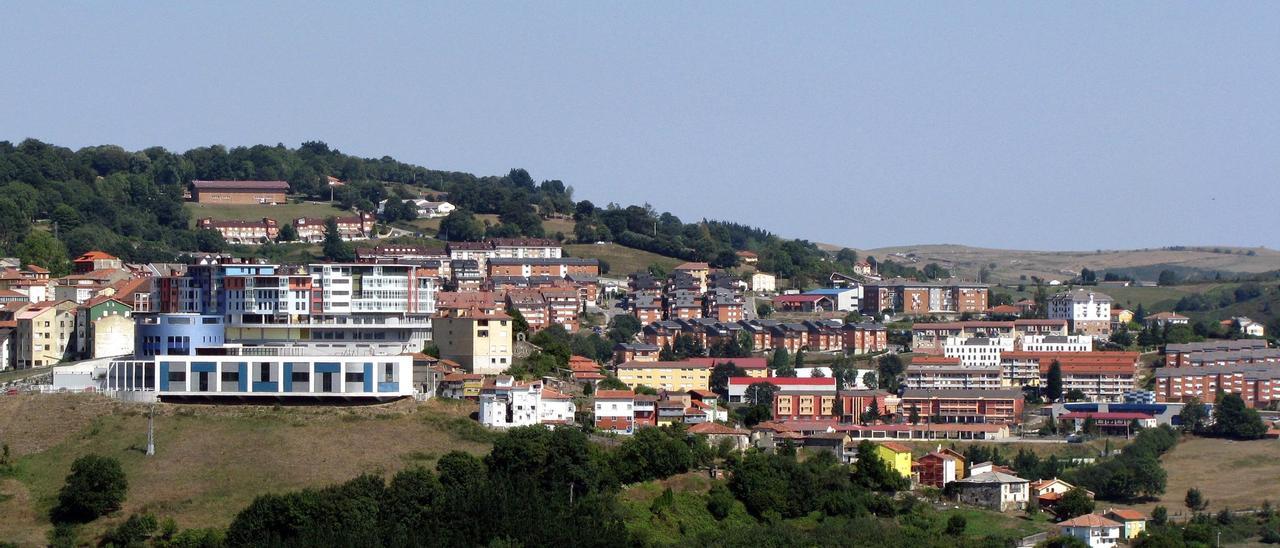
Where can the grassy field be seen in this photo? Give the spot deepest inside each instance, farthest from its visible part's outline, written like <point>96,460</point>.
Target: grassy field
<point>1062,265</point>
<point>622,260</point>
<point>282,213</point>
<point>563,226</point>
<point>1230,474</point>
<point>212,461</point>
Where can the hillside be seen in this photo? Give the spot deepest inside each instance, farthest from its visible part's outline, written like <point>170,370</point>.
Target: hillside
<point>205,470</point>
<point>1010,265</point>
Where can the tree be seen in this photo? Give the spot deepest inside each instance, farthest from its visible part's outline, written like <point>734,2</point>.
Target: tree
<point>14,224</point>
<point>1053,386</point>
<point>210,241</point>
<point>1159,515</point>
<point>461,226</point>
<point>1076,394</point>
<point>781,359</point>
<point>623,328</point>
<point>869,378</point>
<point>720,375</point>
<point>890,369</point>
<point>41,248</point>
<point>1195,501</point>
<point>95,487</point>
<point>518,323</point>
<point>1193,416</point>
<point>1232,419</point>
<point>334,248</point>
<point>1075,502</point>
<point>760,393</point>
<point>1167,277</point>
<point>914,418</point>
<point>956,525</point>
<point>799,359</point>
<point>287,233</point>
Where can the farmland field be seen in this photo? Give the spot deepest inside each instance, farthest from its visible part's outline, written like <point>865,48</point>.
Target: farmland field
<point>1230,474</point>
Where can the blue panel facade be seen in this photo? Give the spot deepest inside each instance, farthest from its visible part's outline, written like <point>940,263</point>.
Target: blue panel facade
<point>204,367</point>
<point>176,334</point>
<point>328,367</point>
<point>368,377</point>
<point>265,387</point>
<point>164,375</point>
<point>286,377</point>
<point>388,386</point>
<point>242,375</point>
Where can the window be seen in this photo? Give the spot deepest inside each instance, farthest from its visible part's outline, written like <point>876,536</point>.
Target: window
<point>230,376</point>
<point>177,376</point>
<point>299,376</point>
<point>357,376</point>
<point>388,374</point>
<point>264,372</point>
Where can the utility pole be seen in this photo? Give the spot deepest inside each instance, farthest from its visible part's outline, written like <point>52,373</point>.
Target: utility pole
<point>151,431</point>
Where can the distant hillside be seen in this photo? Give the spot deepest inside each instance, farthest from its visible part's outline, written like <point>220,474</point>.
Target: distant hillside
<point>1009,265</point>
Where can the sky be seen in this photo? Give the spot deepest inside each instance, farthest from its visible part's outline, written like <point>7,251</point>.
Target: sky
<point>1021,125</point>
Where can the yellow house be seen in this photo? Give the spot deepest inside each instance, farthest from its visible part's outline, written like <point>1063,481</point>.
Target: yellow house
<point>670,376</point>
<point>480,342</point>
<point>1135,522</point>
<point>897,456</point>
<point>44,333</point>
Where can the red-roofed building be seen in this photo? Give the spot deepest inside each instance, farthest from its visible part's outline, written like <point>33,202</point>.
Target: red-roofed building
<point>95,260</point>
<point>803,303</point>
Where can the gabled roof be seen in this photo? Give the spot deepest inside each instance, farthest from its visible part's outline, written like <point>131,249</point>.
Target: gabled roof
<point>1088,520</point>
<point>715,428</point>
<point>992,477</point>
<point>615,395</point>
<point>1125,514</point>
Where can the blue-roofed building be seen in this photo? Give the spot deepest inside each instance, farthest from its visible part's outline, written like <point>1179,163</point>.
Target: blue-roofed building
<point>846,299</point>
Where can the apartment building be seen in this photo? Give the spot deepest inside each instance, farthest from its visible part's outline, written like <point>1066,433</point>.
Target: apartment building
<point>615,411</point>
<point>1102,376</point>
<point>350,227</point>
<point>536,266</point>
<point>1087,312</point>
<point>938,373</point>
<point>43,333</point>
<point>865,338</point>
<point>662,375</point>
<point>242,232</point>
<point>1257,385</point>
<point>1057,343</point>
<point>977,351</point>
<point>914,298</point>
<point>1220,352</point>
<point>479,341</point>
<point>964,405</point>
<point>929,337</point>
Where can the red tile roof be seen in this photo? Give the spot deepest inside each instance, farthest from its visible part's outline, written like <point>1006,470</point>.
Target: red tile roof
<point>240,185</point>
<point>715,428</point>
<point>1089,520</point>
<point>1127,514</point>
<point>615,395</point>
<point>895,447</point>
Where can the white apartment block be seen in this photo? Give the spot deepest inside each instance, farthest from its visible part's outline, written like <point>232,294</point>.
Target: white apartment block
<point>1087,312</point>
<point>933,377</point>
<point>1057,343</point>
<point>507,403</point>
<point>977,351</point>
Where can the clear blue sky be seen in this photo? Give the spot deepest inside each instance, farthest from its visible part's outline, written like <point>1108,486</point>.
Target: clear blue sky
<point>1065,125</point>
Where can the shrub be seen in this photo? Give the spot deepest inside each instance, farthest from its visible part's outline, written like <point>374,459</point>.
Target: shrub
<point>96,486</point>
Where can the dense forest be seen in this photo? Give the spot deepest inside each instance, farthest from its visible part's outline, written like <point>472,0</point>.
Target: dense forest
<point>55,201</point>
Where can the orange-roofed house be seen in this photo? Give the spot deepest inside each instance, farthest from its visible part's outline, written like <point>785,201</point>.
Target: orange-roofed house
<point>1134,522</point>
<point>716,432</point>
<point>1094,530</point>
<point>95,260</point>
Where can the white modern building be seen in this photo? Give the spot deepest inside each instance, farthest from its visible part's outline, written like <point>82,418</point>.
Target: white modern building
<point>1087,312</point>
<point>1057,343</point>
<point>256,373</point>
<point>977,351</point>
<point>845,299</point>
<point>763,283</point>
<point>506,403</point>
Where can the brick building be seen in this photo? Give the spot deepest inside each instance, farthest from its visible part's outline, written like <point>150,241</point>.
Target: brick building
<point>239,192</point>
<point>965,405</point>
<point>913,298</point>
